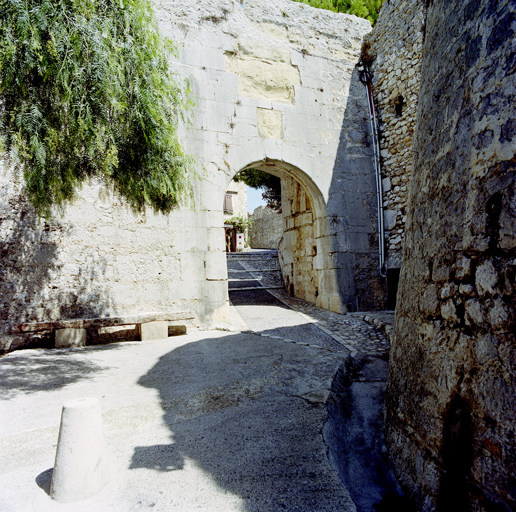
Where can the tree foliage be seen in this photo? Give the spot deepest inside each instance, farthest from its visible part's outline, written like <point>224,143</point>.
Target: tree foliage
<point>269,184</point>
<point>86,91</point>
<point>241,223</point>
<point>368,9</point>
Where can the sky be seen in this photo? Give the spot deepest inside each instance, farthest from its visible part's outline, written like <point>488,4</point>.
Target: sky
<point>254,199</point>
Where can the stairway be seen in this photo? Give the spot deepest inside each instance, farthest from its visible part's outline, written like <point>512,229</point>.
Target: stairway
<point>254,270</point>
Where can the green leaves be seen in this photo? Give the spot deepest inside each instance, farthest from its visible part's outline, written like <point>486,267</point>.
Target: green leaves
<point>368,9</point>
<point>241,223</point>
<point>270,185</point>
<point>86,91</point>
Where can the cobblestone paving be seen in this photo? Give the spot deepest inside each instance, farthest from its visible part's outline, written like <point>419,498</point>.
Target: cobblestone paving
<point>382,320</point>
<point>358,336</point>
<point>359,333</point>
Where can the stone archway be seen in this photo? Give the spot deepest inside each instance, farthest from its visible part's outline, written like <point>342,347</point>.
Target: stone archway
<point>305,249</point>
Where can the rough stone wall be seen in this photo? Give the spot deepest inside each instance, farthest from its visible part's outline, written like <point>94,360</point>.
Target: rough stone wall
<point>451,397</point>
<point>98,259</point>
<point>297,247</point>
<point>397,43</point>
<point>266,230</point>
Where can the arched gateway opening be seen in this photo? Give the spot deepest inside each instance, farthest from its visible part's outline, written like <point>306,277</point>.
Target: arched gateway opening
<point>305,249</point>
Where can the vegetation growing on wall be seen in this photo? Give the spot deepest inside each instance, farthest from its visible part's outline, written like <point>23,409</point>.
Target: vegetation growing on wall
<point>368,9</point>
<point>86,91</point>
<point>269,184</point>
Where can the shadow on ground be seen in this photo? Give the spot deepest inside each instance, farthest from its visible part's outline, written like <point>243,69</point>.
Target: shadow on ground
<point>255,298</point>
<point>272,318</point>
<point>45,370</point>
<point>249,411</point>
<point>355,434</point>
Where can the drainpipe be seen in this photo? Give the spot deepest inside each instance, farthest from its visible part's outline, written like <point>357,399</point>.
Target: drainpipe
<point>366,79</point>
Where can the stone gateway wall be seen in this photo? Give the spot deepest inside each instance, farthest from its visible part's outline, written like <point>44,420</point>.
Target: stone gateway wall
<point>275,88</point>
<point>451,397</point>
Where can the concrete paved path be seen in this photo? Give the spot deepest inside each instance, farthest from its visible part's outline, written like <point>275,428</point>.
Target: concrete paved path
<point>211,421</point>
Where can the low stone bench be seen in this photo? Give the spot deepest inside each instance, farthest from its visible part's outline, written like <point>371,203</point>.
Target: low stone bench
<point>81,331</point>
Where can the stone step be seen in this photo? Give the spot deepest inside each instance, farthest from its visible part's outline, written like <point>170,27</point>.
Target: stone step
<point>258,270</point>
<point>232,256</point>
<point>256,267</point>
<point>246,289</point>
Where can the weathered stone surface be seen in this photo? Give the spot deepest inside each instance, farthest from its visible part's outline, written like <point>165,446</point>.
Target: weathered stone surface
<point>285,102</point>
<point>266,230</point>
<point>82,466</point>
<point>462,268</point>
<point>486,278</point>
<point>263,79</point>
<point>389,217</point>
<point>451,399</point>
<point>270,123</point>
<point>99,323</point>
<point>176,330</point>
<point>396,43</point>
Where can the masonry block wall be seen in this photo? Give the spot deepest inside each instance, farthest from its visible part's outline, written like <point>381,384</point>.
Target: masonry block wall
<point>276,88</point>
<point>451,397</point>
<point>97,259</point>
<point>297,247</point>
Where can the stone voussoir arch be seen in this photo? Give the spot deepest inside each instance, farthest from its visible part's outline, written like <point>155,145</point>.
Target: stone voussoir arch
<point>305,250</point>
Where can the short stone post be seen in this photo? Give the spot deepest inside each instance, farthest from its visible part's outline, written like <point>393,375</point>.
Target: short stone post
<point>157,330</point>
<point>70,338</point>
<point>81,468</point>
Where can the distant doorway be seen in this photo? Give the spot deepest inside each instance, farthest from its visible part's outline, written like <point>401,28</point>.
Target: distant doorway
<point>230,234</point>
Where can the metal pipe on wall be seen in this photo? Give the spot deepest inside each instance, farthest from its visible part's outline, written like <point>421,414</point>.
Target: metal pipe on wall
<point>366,79</point>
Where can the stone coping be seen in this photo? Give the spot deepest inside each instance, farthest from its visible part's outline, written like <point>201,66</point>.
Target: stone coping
<point>82,323</point>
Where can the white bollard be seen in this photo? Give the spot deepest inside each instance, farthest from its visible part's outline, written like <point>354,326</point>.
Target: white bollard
<point>81,468</point>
